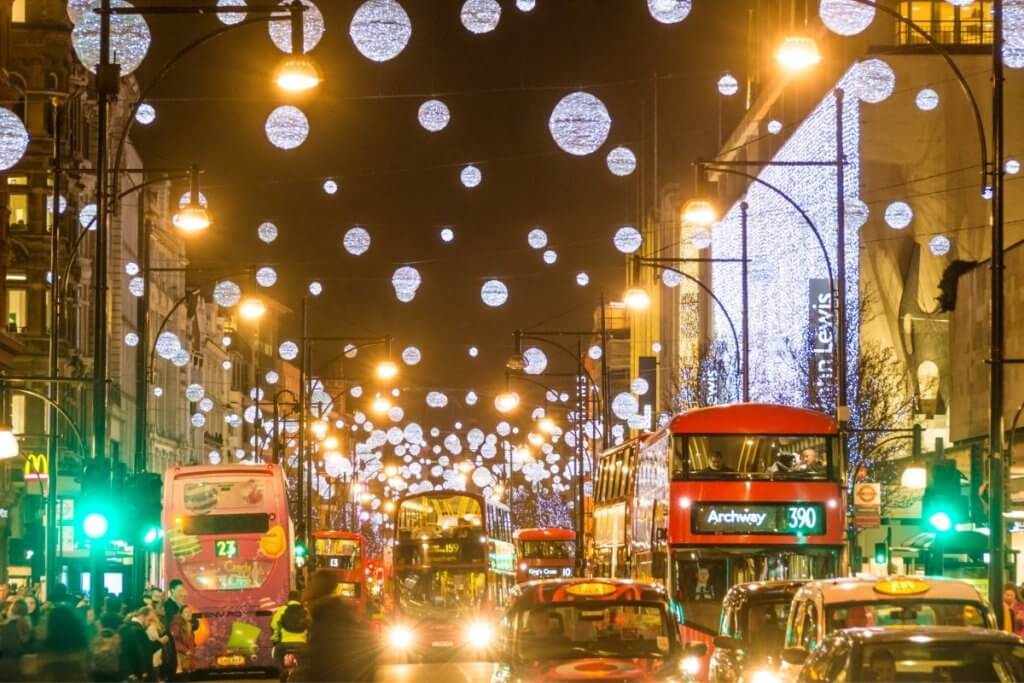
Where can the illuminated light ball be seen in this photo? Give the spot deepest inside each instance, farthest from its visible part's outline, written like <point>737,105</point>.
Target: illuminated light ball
<point>131,339</point>
<point>503,428</point>
<point>356,241</point>
<point>132,268</point>
<point>145,114</point>
<point>380,30</point>
<point>434,115</point>
<point>537,238</point>
<point>411,356</point>
<point>137,286</point>
<point>580,123</point>
<point>271,377</point>
<point>898,215</point>
<point>287,127</point>
<point>234,420</point>
<point>671,278</point>
<point>231,18</point>
<point>480,16</point>
<point>927,100</point>
<point>639,386</point>
<point>473,352</point>
<point>536,361</point>
<point>627,239</point>
<point>406,280</point>
<point>471,176</point>
<point>550,256</point>
<point>595,352</point>
<point>482,477</point>
<point>288,350</point>
<point>656,347</point>
<point>1013,23</point>
<point>621,161</point>
<point>1012,167</point>
<point>213,457</point>
<point>87,217</point>
<point>13,139</point>
<point>256,394</point>
<point>669,11</point>
<point>181,358</point>
<point>227,364</point>
<point>251,413</point>
<point>266,276</point>
<point>728,85</point>
<point>198,420</point>
<point>62,204</point>
<point>447,234</point>
<point>186,199</point>
<point>873,81</point>
<point>494,293</point>
<point>526,5</point>
<point>226,293</point>
<point>280,29</point>
<point>129,38</point>
<point>857,213</point>
<point>436,399</point>
<point>845,17</point>
<point>351,350</point>
<point>330,186</point>
<point>701,239</point>
<point>194,392</point>
<point>167,345</point>
<point>356,391</point>
<point>939,245</point>
<point>582,279</point>
<point>77,7</point>
<point>158,391</point>
<point>775,127</point>
<point>315,288</point>
<point>960,3</point>
<point>1013,57</point>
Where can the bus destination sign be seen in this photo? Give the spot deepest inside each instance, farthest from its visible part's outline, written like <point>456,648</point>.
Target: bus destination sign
<point>784,519</point>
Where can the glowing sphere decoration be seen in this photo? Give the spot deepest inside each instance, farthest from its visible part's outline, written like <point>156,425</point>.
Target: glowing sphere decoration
<point>701,239</point>
<point>639,386</point>
<point>671,278</point>
<point>271,377</point>
<point>287,127</point>
<point>537,238</point>
<point>873,81</point>
<point>473,352</point>
<point>621,161</point>
<point>380,29</point>
<point>471,176</point>
<point>231,18</point>
<point>482,477</point>
<point>447,234</point>
<point>267,232</point>
<point>898,215</point>
<point>145,114</point>
<point>13,139</point>
<point>436,399</point>
<point>1013,24</point>
<point>535,361</point>
<point>927,99</point>
<point>939,245</point>
<point>582,279</point>
<point>857,213</point>
<point>480,16</point>
<point>494,293</point>
<point>580,123</point>
<point>288,350</point>
<point>266,276</point>
<point>167,345</point>
<point>1013,57</point>
<point>669,11</point>
<point>129,38</point>
<point>728,85</point>
<point>315,288</point>
<point>550,256</point>
<point>181,358</point>
<point>356,391</point>
<point>526,5</point>
<point>595,352</point>
<point>411,356</point>
<point>434,115</point>
<point>627,239</point>
<point>131,268</point>
<point>87,216</point>
<point>198,420</point>
<point>1012,167</point>
<point>227,294</point>
<point>774,127</point>
<point>137,286</point>
<point>312,28</point>
<point>351,350</point>
<point>625,405</point>
<point>845,17</point>
<point>406,280</point>
<point>194,392</point>
<point>330,186</point>
<point>356,241</point>
<point>131,339</point>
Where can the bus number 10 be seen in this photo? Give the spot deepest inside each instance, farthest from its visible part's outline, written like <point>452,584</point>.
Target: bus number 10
<point>803,518</point>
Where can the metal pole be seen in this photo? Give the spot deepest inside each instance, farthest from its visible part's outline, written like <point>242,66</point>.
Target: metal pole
<point>300,477</point>
<point>580,531</point>
<point>842,412</point>
<point>141,369</point>
<point>275,446</point>
<point>746,302</point>
<point>605,380</point>
<point>53,457</point>
<point>996,539</point>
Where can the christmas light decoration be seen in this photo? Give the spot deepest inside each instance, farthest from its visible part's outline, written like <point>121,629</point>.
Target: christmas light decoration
<point>580,123</point>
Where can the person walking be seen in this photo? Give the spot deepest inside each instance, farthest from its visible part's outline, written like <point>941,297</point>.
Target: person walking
<point>136,647</point>
<point>64,653</point>
<point>176,597</point>
<point>184,641</point>
<point>289,628</point>
<point>335,620</point>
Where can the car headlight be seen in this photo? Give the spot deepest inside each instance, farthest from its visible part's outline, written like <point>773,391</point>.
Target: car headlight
<point>480,634</point>
<point>690,666</point>
<point>400,637</point>
<point>764,676</point>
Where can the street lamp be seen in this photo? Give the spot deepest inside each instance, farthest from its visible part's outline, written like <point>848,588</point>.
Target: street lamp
<point>381,404</point>
<point>297,73</point>
<point>192,217</point>
<point>699,212</point>
<point>547,425</point>
<point>637,299</point>
<point>915,476</point>
<point>252,308</point>
<point>387,370</point>
<point>798,53</point>
<point>319,429</point>
<point>507,401</point>
<point>8,443</point>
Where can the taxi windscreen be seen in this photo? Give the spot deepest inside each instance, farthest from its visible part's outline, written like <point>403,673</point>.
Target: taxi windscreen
<point>941,661</point>
<point>593,629</point>
<point>906,613</point>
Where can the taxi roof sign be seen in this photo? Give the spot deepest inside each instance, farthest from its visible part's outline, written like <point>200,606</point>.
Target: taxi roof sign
<point>590,589</point>
<point>902,585</point>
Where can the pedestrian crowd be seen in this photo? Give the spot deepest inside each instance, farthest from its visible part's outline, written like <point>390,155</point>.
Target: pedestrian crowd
<point>64,639</point>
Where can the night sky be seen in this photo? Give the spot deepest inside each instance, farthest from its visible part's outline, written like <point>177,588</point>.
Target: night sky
<point>402,182</point>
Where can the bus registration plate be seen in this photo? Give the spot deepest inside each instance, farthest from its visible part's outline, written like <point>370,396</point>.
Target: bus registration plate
<point>231,660</point>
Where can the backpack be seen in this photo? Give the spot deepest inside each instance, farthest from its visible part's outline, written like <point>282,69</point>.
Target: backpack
<point>105,652</point>
<point>295,619</point>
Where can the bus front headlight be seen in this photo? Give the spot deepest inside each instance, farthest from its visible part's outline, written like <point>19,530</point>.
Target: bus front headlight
<point>690,666</point>
<point>764,676</point>
<point>480,634</point>
<point>400,637</point>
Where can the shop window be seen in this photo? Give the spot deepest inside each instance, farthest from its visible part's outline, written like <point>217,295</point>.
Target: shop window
<point>17,203</point>
<point>17,310</point>
<point>18,12</point>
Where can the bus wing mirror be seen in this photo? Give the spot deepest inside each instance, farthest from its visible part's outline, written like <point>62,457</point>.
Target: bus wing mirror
<point>659,564</point>
<point>696,649</point>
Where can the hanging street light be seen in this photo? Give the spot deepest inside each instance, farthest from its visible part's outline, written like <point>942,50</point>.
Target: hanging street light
<point>637,299</point>
<point>192,217</point>
<point>699,212</point>
<point>798,53</point>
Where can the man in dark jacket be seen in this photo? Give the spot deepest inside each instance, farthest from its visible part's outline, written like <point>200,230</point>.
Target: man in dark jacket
<point>172,605</point>
<point>137,649</point>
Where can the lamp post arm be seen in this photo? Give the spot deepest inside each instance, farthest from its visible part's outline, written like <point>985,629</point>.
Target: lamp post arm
<point>53,404</point>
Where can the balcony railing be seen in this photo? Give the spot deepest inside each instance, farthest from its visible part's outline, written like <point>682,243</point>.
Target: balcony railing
<point>950,32</point>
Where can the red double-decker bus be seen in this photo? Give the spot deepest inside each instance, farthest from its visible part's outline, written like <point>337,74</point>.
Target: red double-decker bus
<point>343,553</point>
<point>545,554</point>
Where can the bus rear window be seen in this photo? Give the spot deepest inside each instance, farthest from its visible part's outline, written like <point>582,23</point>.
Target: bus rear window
<point>203,525</point>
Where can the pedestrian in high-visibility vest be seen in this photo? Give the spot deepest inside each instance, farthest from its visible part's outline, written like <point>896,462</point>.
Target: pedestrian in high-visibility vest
<point>289,629</point>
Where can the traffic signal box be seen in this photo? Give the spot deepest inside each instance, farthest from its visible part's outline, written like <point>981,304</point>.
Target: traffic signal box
<point>132,514</point>
<point>882,553</point>
<point>144,511</point>
<point>942,506</point>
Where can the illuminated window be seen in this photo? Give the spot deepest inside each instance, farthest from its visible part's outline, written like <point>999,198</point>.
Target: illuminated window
<point>971,25</point>
<point>17,310</point>
<point>18,204</point>
<point>18,414</point>
<point>18,12</point>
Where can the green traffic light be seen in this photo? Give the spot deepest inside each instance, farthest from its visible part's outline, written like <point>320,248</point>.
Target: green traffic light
<point>95,525</point>
<point>300,550</point>
<point>940,521</point>
<point>152,535</point>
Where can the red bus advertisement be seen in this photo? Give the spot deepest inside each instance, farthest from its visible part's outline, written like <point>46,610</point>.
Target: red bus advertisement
<point>545,554</point>
<point>229,539</point>
<point>343,553</point>
<point>454,565</point>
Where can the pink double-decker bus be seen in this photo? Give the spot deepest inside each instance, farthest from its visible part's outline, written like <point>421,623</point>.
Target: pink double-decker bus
<point>228,537</point>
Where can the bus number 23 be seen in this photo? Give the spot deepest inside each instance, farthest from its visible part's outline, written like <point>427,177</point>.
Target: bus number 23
<point>225,548</point>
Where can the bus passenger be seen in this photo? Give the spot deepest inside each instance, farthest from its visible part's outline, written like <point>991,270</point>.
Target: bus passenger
<point>718,463</point>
